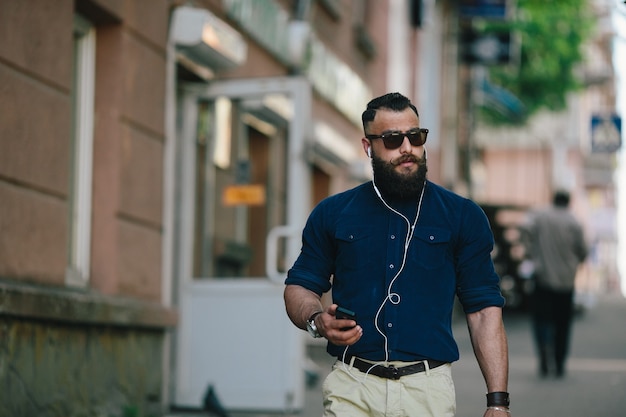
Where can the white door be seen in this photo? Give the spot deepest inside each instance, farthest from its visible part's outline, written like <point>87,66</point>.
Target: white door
<point>243,193</point>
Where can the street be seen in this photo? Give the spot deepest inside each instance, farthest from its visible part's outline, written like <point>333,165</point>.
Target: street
<point>595,383</point>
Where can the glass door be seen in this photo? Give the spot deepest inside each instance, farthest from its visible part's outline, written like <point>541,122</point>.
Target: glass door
<point>240,181</point>
<point>242,197</point>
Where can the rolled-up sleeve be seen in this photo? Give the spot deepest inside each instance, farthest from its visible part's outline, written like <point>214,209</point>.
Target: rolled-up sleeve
<point>478,284</point>
<point>315,264</point>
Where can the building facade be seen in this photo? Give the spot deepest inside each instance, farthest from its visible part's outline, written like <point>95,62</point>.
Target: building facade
<point>81,190</point>
<point>158,161</point>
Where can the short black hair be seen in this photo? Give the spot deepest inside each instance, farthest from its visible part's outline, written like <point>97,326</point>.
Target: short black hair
<point>561,198</point>
<point>390,101</point>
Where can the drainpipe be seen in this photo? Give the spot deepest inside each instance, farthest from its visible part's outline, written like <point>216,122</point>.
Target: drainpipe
<point>168,210</point>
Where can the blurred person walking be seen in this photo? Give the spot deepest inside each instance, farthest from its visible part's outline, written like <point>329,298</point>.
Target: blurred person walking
<point>556,245</point>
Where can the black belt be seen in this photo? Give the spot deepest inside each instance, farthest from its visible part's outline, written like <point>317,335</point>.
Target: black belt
<point>391,372</point>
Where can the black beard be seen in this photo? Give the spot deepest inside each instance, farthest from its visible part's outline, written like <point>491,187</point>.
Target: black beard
<point>395,186</point>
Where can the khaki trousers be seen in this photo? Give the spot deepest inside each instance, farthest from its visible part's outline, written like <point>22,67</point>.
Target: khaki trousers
<point>349,392</point>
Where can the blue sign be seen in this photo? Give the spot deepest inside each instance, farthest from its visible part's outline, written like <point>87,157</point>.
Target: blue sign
<point>606,133</point>
<point>495,9</point>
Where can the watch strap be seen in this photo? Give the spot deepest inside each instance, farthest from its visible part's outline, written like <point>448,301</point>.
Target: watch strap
<point>313,316</point>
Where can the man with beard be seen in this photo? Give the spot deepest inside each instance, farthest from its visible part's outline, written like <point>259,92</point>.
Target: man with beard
<point>396,251</point>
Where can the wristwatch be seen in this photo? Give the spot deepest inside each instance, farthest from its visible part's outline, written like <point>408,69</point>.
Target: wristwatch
<point>310,325</point>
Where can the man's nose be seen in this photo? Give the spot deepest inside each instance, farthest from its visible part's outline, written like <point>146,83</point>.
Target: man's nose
<point>406,146</point>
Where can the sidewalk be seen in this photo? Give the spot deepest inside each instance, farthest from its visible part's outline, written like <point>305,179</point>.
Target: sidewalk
<point>595,384</point>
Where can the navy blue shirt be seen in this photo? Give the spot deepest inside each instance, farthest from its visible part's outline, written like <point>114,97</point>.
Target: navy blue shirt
<point>355,244</point>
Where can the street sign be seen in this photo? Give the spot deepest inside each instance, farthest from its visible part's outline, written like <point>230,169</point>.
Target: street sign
<point>494,9</point>
<point>244,194</point>
<point>606,133</point>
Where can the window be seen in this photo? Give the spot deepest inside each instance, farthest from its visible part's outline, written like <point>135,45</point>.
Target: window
<point>240,185</point>
<point>79,245</point>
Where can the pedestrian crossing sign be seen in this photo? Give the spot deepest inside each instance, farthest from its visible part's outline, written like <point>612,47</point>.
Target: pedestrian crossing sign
<point>606,133</point>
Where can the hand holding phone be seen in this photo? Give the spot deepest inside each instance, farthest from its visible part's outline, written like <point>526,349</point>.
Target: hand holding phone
<point>345,314</point>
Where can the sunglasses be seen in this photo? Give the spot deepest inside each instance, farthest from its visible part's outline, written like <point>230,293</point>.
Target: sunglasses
<point>394,140</point>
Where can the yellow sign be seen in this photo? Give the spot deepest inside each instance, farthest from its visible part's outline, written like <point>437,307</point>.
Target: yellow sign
<point>248,194</point>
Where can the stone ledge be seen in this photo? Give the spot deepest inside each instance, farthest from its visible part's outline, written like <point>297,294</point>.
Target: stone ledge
<point>79,307</point>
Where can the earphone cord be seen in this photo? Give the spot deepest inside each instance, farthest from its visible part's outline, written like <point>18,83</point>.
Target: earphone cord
<point>392,297</point>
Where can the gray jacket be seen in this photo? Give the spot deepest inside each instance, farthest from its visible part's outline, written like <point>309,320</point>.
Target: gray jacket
<point>556,244</point>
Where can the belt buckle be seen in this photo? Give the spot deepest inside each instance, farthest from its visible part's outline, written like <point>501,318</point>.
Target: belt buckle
<point>394,372</point>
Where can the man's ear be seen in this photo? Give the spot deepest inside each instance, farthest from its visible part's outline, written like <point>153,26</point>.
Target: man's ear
<point>367,146</point>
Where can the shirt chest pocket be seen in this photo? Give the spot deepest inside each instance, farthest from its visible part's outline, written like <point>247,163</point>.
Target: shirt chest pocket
<point>355,247</point>
<point>431,247</point>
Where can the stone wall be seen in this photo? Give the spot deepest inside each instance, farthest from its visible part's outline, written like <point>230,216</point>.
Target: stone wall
<point>63,370</point>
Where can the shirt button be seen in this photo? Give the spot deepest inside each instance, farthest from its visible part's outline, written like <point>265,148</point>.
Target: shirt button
<point>432,237</point>
<point>351,237</point>
<point>393,237</point>
<point>389,325</point>
<point>391,266</point>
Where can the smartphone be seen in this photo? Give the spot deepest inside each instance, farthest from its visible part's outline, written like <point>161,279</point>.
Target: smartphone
<point>345,314</point>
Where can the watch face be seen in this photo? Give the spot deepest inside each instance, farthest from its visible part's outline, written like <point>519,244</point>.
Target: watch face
<point>312,329</point>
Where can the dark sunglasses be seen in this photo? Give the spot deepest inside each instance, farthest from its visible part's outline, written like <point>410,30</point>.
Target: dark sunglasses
<point>394,140</point>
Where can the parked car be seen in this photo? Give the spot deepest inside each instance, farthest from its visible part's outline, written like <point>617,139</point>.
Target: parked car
<point>508,254</point>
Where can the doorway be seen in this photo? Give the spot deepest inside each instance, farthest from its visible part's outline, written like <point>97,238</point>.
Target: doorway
<point>243,192</point>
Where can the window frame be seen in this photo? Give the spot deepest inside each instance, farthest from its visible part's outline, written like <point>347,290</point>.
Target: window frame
<point>80,199</point>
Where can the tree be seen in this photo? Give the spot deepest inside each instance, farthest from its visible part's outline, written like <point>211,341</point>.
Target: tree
<point>552,35</point>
